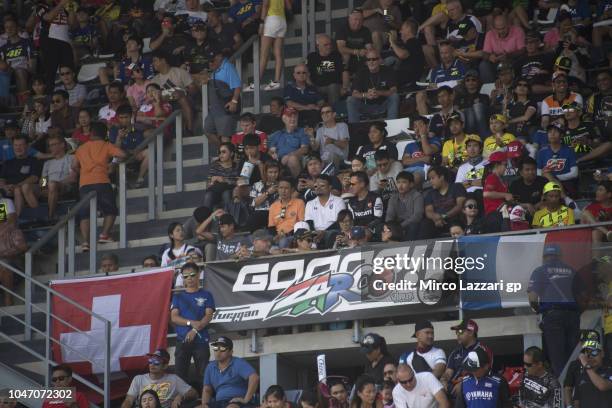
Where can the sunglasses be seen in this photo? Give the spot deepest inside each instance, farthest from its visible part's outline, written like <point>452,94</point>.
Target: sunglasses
<point>371,59</point>
<point>591,352</point>
<point>219,348</point>
<point>155,361</point>
<point>189,275</point>
<point>408,381</point>
<point>65,73</point>
<point>470,207</point>
<point>60,378</point>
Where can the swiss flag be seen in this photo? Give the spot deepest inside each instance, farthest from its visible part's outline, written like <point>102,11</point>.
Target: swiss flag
<point>137,305</point>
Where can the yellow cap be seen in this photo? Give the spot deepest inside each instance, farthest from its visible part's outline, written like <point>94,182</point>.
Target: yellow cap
<point>500,118</point>
<point>550,186</point>
<point>472,137</point>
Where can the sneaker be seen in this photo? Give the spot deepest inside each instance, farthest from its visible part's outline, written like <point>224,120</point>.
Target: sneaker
<point>272,86</point>
<point>84,247</point>
<point>105,239</point>
<point>249,88</point>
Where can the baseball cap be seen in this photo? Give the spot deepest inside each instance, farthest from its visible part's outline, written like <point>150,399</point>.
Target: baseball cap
<point>290,111</point>
<point>517,214</point>
<point>572,106</point>
<point>213,52</point>
<point>454,116</point>
<point>472,73</point>
<point>550,186</point>
<point>301,225</point>
<point>552,249</point>
<point>223,341</point>
<point>302,233</point>
<point>227,219</point>
<point>475,359</point>
<point>533,35</point>
<point>261,234</point>
<point>371,341</point>
<point>11,123</point>
<point>558,74</point>
<point>500,118</point>
<point>420,325</point>
<point>563,63</point>
<point>556,126</point>
<point>472,138</point>
<point>466,325</point>
<point>504,66</point>
<point>161,354</point>
<point>498,157</point>
<point>357,232</point>
<point>423,119</point>
<point>591,345</point>
<point>515,149</point>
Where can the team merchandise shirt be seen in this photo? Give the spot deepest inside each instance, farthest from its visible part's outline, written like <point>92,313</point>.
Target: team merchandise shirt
<point>367,210</point>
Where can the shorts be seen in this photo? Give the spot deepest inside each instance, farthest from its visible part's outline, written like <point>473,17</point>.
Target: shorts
<point>275,27</point>
<point>106,200</point>
<point>220,124</point>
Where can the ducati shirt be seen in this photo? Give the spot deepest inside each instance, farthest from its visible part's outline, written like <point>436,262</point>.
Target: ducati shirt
<point>367,210</point>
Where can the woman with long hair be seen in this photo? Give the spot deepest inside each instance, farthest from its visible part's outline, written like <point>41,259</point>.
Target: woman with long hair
<point>149,399</point>
<point>177,249</point>
<point>495,190</point>
<point>223,175</point>
<point>275,398</point>
<point>345,223</point>
<point>470,217</point>
<point>521,110</point>
<point>365,394</point>
<point>392,232</point>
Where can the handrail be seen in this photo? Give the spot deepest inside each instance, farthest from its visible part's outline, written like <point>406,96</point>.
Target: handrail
<point>156,131</point>
<point>243,48</point>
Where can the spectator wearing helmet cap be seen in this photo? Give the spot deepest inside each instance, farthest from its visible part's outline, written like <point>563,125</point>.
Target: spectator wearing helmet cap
<point>473,104</point>
<point>499,138</point>
<point>528,188</point>
<point>556,161</point>
<point>536,65</point>
<point>495,190</point>
<point>553,212</point>
<point>470,173</point>
<point>589,378</point>
<point>453,150</point>
<point>556,291</point>
<point>552,106</point>
<point>289,145</point>
<point>504,42</point>
<point>581,136</point>
<point>171,389</point>
<point>374,346</point>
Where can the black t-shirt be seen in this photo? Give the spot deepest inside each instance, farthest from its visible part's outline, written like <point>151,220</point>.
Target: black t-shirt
<point>575,138</point>
<point>169,44</point>
<point>325,70</point>
<point>383,80</point>
<point>528,67</point>
<point>367,210</point>
<point>354,39</point>
<point>540,391</point>
<point>584,390</point>
<point>376,372</point>
<point>197,56</point>
<point>411,69</point>
<point>438,126</point>
<point>367,152</point>
<point>517,109</point>
<point>531,194</point>
<point>444,203</point>
<point>16,170</point>
<point>459,30</point>
<point>224,40</point>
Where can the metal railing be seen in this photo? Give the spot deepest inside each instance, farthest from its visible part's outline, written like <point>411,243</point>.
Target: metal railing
<point>154,143</point>
<point>47,358</point>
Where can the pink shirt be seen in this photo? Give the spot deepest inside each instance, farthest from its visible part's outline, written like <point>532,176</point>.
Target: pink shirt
<point>137,92</point>
<point>514,41</point>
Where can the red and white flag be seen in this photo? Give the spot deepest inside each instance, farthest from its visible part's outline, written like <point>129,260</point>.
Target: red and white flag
<point>137,305</point>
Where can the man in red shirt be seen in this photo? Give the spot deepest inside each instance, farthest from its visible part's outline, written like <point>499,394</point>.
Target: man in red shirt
<point>61,377</point>
<point>247,125</point>
<point>495,191</point>
<point>600,211</point>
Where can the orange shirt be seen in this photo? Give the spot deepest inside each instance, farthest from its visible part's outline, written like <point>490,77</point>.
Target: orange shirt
<point>285,220</point>
<point>93,158</point>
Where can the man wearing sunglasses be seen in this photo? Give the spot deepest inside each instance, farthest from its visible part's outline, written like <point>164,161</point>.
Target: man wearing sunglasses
<point>191,313</point>
<point>170,388</point>
<point>590,377</point>
<point>540,388</point>
<point>230,379</point>
<point>61,377</point>
<point>418,390</point>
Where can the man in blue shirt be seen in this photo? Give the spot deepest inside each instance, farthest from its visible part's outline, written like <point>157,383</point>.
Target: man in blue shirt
<point>556,161</point>
<point>481,389</point>
<point>246,14</point>
<point>230,379</point>
<point>450,68</point>
<point>192,311</point>
<point>304,97</point>
<point>290,145</point>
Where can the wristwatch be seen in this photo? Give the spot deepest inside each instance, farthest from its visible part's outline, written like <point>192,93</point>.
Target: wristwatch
<point>189,323</point>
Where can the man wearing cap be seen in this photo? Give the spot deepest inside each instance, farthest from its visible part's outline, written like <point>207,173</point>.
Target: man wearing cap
<point>425,357</point>
<point>480,389</point>
<point>590,378</point>
<point>374,346</point>
<point>470,173</point>
<point>418,389</point>
<point>374,90</point>
<point>416,155</point>
<point>556,161</point>
<point>454,150</point>
<point>473,104</point>
<point>467,337</point>
<point>536,65</point>
<point>285,212</point>
<point>581,136</point>
<point>290,144</point>
<point>552,106</point>
<point>554,291</point>
<point>504,42</point>
<point>191,313</point>
<point>540,388</point>
<point>231,380</point>
<point>170,388</point>
<point>553,213</point>
<point>228,243</point>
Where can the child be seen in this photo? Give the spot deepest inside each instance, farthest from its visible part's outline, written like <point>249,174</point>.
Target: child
<point>499,138</point>
<point>128,138</point>
<point>84,36</point>
<point>387,394</point>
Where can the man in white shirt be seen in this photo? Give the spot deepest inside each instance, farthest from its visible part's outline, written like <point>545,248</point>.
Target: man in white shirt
<point>421,390</point>
<point>323,210</point>
<point>425,357</point>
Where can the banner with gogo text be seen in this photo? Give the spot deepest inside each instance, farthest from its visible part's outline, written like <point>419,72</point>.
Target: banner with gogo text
<point>328,286</point>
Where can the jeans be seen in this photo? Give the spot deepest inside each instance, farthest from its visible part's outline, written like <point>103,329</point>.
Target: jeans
<point>200,352</point>
<point>331,92</point>
<point>561,334</point>
<point>476,119</point>
<point>356,107</point>
<point>487,71</point>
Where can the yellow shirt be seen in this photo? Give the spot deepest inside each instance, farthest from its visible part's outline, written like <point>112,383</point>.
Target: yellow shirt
<point>490,143</point>
<point>546,219</point>
<point>276,8</point>
<point>452,150</point>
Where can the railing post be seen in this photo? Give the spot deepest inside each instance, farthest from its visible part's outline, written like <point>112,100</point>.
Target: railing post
<point>93,229</point>
<point>256,75</point>
<point>304,27</point>
<point>122,207</point>
<point>151,189</point>
<point>71,246</point>
<point>107,380</point>
<point>28,297</point>
<point>313,18</point>
<point>179,153</point>
<point>238,63</point>
<point>159,164</point>
<point>328,17</point>
<point>351,5</point>
<point>254,341</point>
<point>205,113</point>
<point>356,334</point>
<point>61,252</point>
<point>48,339</point>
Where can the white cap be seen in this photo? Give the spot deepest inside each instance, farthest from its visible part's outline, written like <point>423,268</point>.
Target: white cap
<point>301,225</point>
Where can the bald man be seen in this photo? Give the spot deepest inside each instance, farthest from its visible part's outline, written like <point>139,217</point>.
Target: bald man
<point>420,390</point>
<point>503,43</point>
<point>326,68</point>
<point>303,97</point>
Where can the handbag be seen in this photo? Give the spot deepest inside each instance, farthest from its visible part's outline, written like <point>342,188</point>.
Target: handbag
<point>12,240</point>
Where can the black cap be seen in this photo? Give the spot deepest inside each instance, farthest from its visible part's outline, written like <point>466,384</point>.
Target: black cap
<point>422,118</point>
<point>11,123</point>
<point>161,354</point>
<point>454,116</point>
<point>213,52</point>
<point>227,219</point>
<point>420,325</point>
<point>475,359</point>
<point>371,342</point>
<point>224,342</point>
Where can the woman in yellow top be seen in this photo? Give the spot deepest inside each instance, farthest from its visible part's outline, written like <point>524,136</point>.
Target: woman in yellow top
<point>554,213</point>
<point>454,151</point>
<point>439,18</point>
<point>499,139</point>
<point>272,33</point>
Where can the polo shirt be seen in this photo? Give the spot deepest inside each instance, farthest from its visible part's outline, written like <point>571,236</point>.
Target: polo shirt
<point>514,41</point>
<point>324,215</point>
<point>227,73</point>
<point>304,96</point>
<point>286,143</point>
<point>15,171</point>
<point>192,306</point>
<point>231,382</point>
<point>294,212</point>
